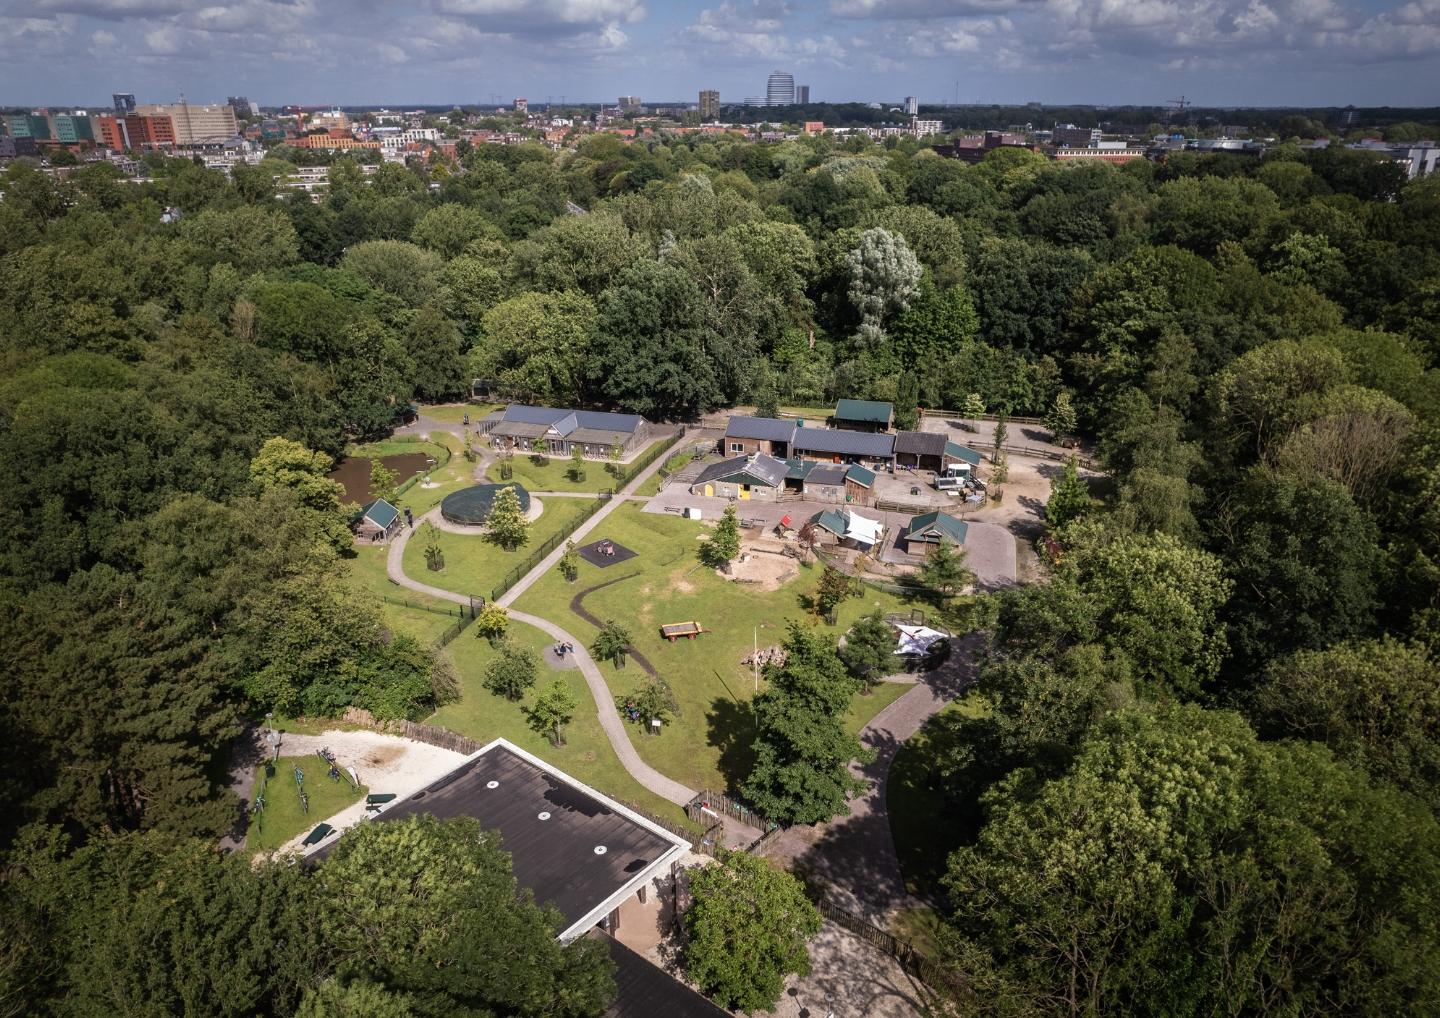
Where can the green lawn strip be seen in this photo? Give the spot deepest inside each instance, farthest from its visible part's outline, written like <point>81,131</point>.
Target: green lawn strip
<point>586,755</point>
<point>710,739</point>
<point>454,413</point>
<point>367,572</point>
<point>554,475</point>
<point>671,465</point>
<point>473,565</point>
<point>924,826</point>
<point>282,818</point>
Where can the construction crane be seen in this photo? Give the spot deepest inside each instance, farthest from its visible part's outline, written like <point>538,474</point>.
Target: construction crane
<point>1179,104</point>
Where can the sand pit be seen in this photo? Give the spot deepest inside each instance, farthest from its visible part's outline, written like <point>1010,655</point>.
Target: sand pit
<point>766,570</point>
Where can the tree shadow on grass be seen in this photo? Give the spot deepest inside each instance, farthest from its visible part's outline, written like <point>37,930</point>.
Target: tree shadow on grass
<point>730,727</point>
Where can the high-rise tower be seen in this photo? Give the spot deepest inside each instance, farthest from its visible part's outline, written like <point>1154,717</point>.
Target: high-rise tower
<point>780,89</point>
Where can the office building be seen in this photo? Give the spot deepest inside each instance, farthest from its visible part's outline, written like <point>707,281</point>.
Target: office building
<point>912,106</point>
<point>71,128</point>
<point>920,128</point>
<point>802,94</point>
<point>28,125</point>
<point>195,124</point>
<point>522,105</point>
<point>135,132</point>
<point>629,102</point>
<point>709,104</point>
<point>243,107</point>
<point>780,89</point>
<point>124,102</point>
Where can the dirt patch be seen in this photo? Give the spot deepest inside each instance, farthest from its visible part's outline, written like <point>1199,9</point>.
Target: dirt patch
<point>380,756</point>
<point>678,584</point>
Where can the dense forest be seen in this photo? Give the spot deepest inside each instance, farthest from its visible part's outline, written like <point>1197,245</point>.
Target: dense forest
<point>1206,781</point>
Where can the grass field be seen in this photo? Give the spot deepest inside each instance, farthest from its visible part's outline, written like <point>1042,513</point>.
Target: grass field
<point>282,818</point>
<point>473,565</point>
<point>709,742</point>
<point>924,829</point>
<point>367,571</point>
<point>586,754</point>
<point>454,413</point>
<point>555,474</point>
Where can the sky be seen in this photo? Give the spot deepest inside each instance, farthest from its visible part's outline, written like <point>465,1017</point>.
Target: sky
<point>1215,52</point>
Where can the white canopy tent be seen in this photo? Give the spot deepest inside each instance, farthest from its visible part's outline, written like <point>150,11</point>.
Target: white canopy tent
<point>917,640</point>
<point>861,530</point>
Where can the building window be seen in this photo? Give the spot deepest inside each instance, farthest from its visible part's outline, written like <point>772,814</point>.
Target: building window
<point>737,446</point>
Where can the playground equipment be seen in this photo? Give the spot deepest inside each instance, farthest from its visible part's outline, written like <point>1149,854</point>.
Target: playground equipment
<point>675,630</point>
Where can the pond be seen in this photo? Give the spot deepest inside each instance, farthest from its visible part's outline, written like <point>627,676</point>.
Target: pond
<point>353,473</point>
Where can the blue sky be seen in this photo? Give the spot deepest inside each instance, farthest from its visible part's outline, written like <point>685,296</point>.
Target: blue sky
<point>1217,52</point>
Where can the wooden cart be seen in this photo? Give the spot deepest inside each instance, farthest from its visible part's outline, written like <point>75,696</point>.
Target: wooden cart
<point>675,630</point>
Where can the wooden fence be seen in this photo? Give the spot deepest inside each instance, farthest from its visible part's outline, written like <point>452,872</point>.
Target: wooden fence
<point>911,960</point>
<point>709,803</point>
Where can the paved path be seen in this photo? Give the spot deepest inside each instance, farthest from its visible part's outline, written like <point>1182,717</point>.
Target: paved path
<point>604,699</point>
<point>855,854</point>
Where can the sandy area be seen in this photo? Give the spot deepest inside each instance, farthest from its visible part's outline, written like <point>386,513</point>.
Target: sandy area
<point>385,763</point>
<point>763,569</point>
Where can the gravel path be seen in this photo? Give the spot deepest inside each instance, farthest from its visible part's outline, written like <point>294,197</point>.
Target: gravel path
<point>855,854</point>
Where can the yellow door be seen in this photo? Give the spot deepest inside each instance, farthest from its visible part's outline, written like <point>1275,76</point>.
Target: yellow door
<point>709,491</point>
<point>744,492</point>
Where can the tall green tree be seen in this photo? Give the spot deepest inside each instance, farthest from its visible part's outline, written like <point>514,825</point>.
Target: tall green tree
<point>505,524</point>
<point>1069,497</point>
<point>802,751</point>
<point>723,544</point>
<point>552,711</point>
<point>431,908</point>
<point>869,649</point>
<point>512,672</point>
<point>748,926</point>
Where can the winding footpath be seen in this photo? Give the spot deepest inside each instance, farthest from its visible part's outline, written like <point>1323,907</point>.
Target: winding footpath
<point>610,721</point>
<point>855,854</point>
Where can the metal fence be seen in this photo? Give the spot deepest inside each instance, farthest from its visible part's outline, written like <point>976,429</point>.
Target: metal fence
<point>548,545</point>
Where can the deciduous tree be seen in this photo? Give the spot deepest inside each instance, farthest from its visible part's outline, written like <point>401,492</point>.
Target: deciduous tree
<point>748,925</point>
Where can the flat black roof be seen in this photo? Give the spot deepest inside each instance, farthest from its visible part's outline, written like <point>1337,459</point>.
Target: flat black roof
<point>644,990</point>
<point>556,857</point>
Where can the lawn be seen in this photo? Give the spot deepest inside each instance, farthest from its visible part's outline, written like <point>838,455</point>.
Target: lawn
<point>710,739</point>
<point>474,565</point>
<point>282,818</point>
<point>586,754</point>
<point>454,413</point>
<point>674,463</point>
<point>367,571</point>
<point>555,474</point>
<point>925,826</point>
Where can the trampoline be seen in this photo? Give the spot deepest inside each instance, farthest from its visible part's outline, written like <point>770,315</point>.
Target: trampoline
<point>604,553</point>
<point>470,506</point>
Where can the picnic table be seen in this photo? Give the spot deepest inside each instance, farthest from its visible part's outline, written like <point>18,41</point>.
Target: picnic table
<point>675,630</point>
<point>376,801</point>
<point>319,834</point>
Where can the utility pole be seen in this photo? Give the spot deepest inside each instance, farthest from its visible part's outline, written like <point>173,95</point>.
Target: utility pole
<point>755,654</point>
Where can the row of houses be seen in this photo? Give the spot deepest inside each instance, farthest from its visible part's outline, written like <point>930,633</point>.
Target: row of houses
<point>787,439</point>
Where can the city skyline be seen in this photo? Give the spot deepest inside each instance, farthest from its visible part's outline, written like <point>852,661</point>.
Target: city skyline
<point>1218,52</point>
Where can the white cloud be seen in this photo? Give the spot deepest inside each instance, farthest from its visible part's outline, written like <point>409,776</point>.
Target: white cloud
<point>925,9</point>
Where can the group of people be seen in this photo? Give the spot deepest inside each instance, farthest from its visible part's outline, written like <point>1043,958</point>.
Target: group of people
<point>561,649</point>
